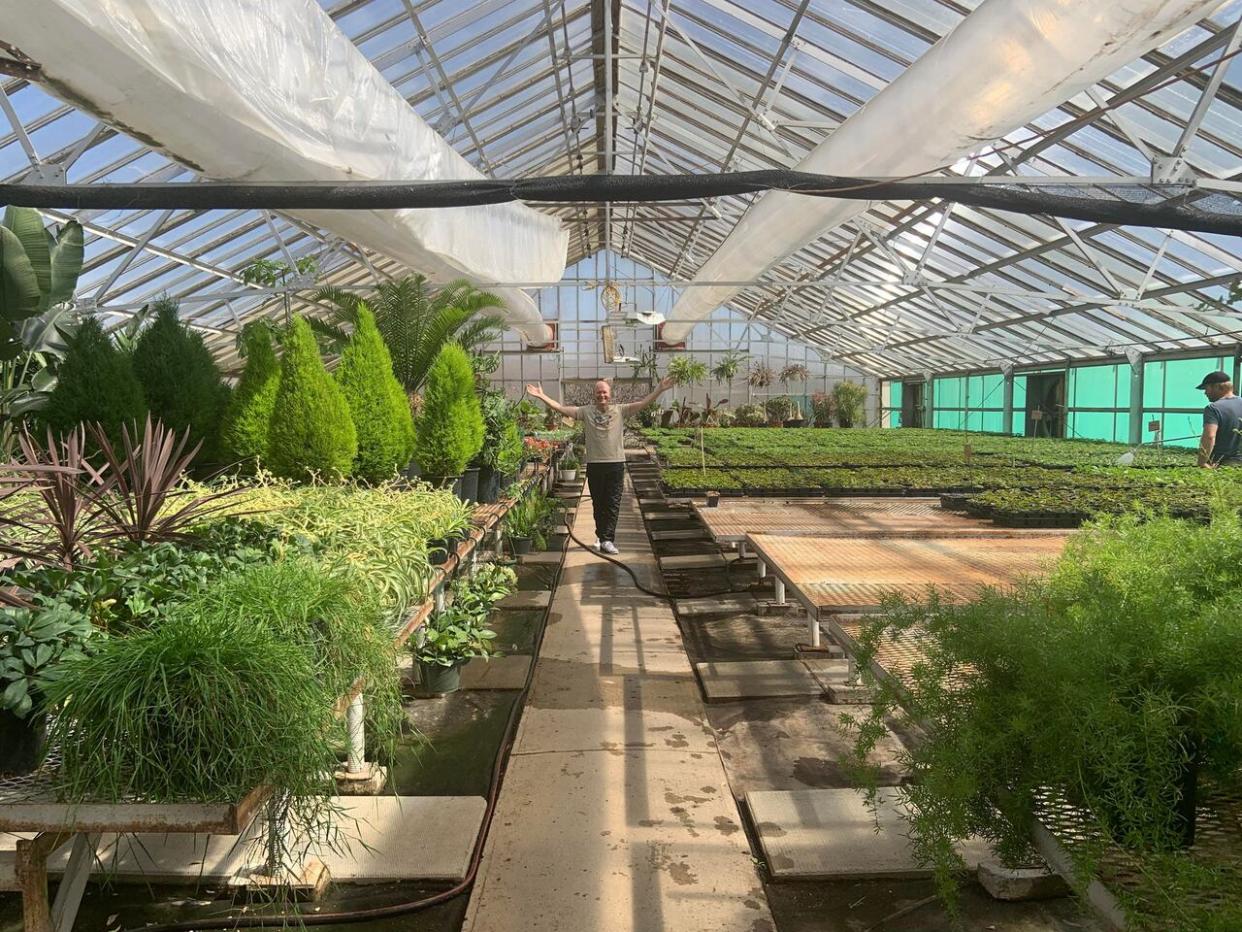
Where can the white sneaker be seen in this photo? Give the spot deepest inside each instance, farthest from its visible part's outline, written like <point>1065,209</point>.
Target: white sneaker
<point>599,545</point>
<point>609,547</point>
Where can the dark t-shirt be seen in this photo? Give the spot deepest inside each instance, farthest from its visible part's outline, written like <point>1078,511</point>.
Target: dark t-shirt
<point>1226,414</point>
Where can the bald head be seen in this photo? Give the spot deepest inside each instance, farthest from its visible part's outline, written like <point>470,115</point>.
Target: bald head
<point>603,393</point>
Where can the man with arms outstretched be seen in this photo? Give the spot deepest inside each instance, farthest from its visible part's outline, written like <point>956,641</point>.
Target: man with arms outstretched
<point>605,451</point>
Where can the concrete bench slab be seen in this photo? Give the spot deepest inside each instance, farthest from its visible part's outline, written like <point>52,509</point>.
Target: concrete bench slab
<point>765,679</point>
<point>830,834</point>
<point>526,599</point>
<point>496,672</point>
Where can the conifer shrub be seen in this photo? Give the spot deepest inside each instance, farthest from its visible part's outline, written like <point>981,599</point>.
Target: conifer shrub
<point>449,429</point>
<point>182,386</point>
<point>96,382</point>
<point>312,433</point>
<point>248,416</point>
<point>380,410</point>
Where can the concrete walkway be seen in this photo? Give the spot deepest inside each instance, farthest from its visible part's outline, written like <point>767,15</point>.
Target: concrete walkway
<point>615,812</point>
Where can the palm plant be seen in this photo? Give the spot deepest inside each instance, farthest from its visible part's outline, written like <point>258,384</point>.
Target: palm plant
<point>415,321</point>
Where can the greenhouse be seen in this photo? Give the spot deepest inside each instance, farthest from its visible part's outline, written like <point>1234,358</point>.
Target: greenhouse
<point>643,465</point>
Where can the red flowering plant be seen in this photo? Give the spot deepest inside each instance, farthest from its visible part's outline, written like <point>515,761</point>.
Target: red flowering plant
<point>537,449</point>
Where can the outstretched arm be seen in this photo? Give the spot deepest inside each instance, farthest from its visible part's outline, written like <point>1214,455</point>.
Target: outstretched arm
<point>537,393</point>
<point>667,383</point>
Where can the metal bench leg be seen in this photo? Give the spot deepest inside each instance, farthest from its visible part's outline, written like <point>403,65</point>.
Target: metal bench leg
<point>814,623</point>
<point>73,884</point>
<point>355,724</point>
<point>763,570</point>
<point>780,591</point>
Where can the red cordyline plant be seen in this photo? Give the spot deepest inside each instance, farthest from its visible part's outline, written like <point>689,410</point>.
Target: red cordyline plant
<point>134,494</point>
<point>142,496</point>
<point>60,524</point>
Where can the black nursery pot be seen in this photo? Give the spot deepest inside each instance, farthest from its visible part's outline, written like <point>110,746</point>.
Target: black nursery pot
<point>21,742</point>
<point>521,545</point>
<point>489,485</point>
<point>469,486</point>
<point>438,551</point>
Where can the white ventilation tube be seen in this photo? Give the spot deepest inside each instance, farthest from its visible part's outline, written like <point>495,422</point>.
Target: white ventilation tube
<point>273,91</point>
<point>1005,64</point>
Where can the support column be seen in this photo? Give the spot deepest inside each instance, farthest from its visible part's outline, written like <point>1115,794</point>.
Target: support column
<point>762,570</point>
<point>1007,399</point>
<point>812,622</point>
<point>929,400</point>
<point>355,725</point>
<point>1136,398</point>
<point>780,590</point>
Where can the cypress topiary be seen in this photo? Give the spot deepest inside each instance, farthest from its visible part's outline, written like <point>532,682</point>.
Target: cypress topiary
<point>449,430</point>
<point>312,433</point>
<point>377,402</point>
<point>248,417</point>
<point>95,382</point>
<point>182,385</point>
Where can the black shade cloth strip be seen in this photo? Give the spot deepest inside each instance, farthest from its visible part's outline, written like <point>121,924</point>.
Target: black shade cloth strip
<point>1126,203</point>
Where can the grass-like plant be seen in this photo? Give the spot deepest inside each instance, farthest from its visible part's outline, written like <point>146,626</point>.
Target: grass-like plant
<point>727,368</point>
<point>1112,683</point>
<point>687,371</point>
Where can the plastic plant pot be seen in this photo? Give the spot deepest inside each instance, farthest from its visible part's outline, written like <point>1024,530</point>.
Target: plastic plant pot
<point>436,680</point>
<point>713,499</point>
<point>21,742</point>
<point>469,492</point>
<point>521,545</point>
<point>567,475</point>
<point>489,485</point>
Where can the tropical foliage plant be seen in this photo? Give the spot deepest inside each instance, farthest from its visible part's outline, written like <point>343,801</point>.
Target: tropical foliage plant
<point>312,432</point>
<point>377,403</point>
<point>180,381</point>
<point>33,643</point>
<point>687,371</point>
<point>727,368</point>
<point>38,274</point>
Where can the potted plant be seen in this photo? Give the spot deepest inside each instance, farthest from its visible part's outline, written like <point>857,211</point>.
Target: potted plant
<point>33,641</point>
<point>526,522</point>
<point>713,499</point>
<point>760,375</point>
<point>795,372</point>
<point>1113,682</point>
<point>452,637</point>
<point>568,470</point>
<point>849,397</point>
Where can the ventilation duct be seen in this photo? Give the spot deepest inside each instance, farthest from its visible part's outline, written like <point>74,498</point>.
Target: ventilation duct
<point>1005,64</point>
<point>273,91</point>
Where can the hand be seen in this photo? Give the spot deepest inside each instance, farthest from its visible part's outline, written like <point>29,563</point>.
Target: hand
<point>667,382</point>
<point>534,390</point>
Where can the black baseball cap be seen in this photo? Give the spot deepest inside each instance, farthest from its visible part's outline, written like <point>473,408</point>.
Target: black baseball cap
<point>1214,378</point>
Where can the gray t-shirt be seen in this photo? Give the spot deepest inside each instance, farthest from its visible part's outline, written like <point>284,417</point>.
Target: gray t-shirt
<point>1226,414</point>
<point>605,431</point>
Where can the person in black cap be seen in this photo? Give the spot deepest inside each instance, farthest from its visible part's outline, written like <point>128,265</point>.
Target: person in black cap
<point>1221,443</point>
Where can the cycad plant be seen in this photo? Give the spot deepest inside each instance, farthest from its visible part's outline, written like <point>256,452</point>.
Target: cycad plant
<point>415,322</point>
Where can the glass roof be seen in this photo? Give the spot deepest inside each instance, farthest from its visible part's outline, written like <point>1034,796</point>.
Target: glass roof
<point>519,88</point>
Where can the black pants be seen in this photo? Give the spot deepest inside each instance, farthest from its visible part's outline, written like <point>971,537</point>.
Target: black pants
<point>606,481</point>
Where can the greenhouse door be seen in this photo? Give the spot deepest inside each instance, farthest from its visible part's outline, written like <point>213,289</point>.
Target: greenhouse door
<point>1045,404</point>
<point>912,404</point>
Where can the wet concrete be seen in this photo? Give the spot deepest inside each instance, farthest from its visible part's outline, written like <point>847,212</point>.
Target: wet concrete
<point>457,739</point>
<point>132,907</point>
<point>743,637</point>
<point>532,576</point>
<point>515,631</point>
